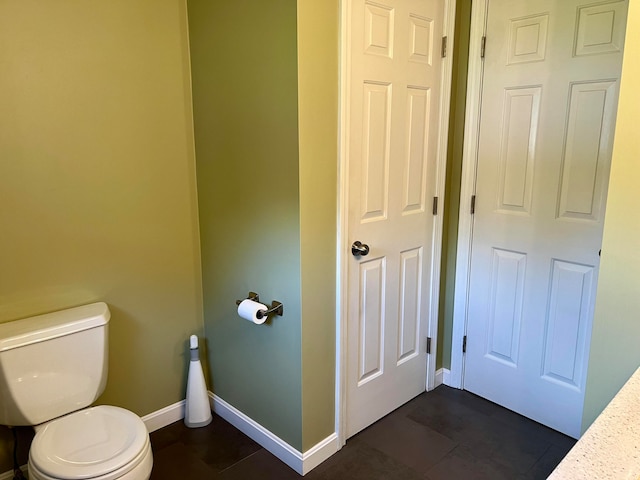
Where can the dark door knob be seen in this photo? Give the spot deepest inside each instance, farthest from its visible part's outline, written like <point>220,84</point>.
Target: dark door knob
<point>359,249</point>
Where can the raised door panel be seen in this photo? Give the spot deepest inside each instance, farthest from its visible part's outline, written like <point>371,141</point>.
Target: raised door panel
<point>409,315</point>
<point>505,306</point>
<point>371,319</point>
<point>378,29</point>
<point>587,150</point>
<point>417,131</point>
<point>518,149</point>
<point>567,320</point>
<point>600,28</point>
<point>527,39</point>
<point>421,39</point>
<point>375,150</point>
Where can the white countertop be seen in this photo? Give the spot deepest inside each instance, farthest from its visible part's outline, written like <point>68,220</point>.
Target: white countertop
<point>610,448</point>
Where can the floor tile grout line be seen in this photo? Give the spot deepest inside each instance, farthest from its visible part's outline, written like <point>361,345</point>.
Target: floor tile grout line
<point>241,460</point>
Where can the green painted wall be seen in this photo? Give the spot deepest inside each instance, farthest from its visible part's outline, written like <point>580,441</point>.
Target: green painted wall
<point>244,73</point>
<point>614,353</point>
<point>318,49</point>
<point>266,140</point>
<point>454,176</point>
<point>97,182</point>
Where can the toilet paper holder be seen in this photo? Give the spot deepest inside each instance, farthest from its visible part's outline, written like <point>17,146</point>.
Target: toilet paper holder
<point>276,307</point>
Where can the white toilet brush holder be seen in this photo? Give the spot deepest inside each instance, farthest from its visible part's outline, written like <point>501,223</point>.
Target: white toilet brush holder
<point>197,409</point>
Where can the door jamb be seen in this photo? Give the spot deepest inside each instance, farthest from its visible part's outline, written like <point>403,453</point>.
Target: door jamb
<point>448,27</point>
<point>342,237</point>
<point>343,195</point>
<point>467,190</point>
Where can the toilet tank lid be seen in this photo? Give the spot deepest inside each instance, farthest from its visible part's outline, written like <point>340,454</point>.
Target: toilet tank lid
<point>20,333</point>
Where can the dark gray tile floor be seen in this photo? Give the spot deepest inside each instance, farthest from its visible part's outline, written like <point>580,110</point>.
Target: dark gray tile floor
<point>444,434</point>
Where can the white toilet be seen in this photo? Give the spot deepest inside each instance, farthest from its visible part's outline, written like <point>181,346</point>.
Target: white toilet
<point>52,367</point>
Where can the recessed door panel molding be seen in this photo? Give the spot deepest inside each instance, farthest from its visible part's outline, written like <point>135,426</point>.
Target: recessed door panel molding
<point>421,40</point>
<point>415,169</point>
<point>527,39</point>
<point>518,148</point>
<point>600,28</point>
<point>375,150</point>
<point>371,319</point>
<point>378,29</point>
<point>409,315</point>
<point>567,319</point>
<point>587,150</point>
<point>505,305</point>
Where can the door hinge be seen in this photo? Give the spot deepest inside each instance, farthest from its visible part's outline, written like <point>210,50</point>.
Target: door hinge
<point>483,46</point>
<point>464,344</point>
<point>429,345</point>
<point>435,205</point>
<point>444,46</point>
<point>473,204</point>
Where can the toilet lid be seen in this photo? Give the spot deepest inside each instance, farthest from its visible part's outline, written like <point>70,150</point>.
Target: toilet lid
<point>88,443</point>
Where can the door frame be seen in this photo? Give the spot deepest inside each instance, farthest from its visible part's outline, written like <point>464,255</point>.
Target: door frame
<point>467,190</point>
<point>342,240</point>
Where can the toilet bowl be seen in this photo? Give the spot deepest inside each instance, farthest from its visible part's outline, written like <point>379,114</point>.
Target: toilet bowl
<point>52,368</point>
<point>99,443</point>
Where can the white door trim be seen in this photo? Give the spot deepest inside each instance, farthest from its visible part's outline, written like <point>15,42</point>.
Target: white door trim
<point>448,26</point>
<point>343,195</point>
<point>343,218</point>
<point>467,189</point>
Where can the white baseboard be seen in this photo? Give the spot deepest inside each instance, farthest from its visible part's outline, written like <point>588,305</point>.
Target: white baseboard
<point>163,417</point>
<point>442,377</point>
<point>9,475</point>
<point>300,462</point>
<point>446,377</point>
<point>319,453</point>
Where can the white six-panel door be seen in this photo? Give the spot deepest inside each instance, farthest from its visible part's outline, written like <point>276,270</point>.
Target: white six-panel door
<point>549,98</point>
<point>392,124</point>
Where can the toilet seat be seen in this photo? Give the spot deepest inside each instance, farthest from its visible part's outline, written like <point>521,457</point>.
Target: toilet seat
<point>102,443</point>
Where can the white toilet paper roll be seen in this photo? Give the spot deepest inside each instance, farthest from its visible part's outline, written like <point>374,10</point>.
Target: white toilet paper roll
<point>248,309</point>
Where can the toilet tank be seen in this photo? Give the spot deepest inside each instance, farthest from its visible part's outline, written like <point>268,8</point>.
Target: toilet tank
<point>52,364</point>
